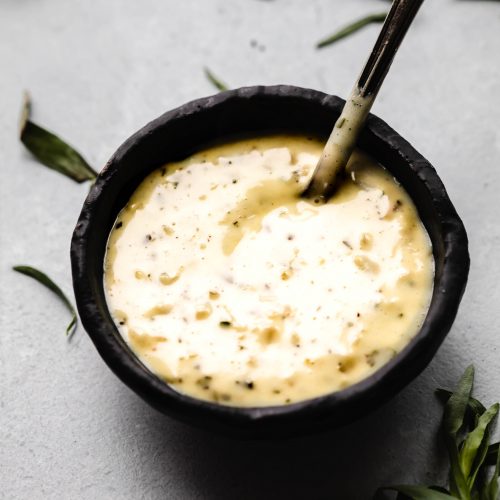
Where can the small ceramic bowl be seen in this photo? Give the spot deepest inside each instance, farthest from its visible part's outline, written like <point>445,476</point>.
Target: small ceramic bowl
<point>246,112</point>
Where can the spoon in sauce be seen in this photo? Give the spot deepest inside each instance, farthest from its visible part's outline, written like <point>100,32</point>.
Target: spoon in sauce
<point>340,145</point>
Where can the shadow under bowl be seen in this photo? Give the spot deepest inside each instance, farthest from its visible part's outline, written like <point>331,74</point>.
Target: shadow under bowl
<point>254,111</point>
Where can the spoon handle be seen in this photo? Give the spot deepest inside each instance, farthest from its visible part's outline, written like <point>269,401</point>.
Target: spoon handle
<point>393,31</point>
<point>344,136</point>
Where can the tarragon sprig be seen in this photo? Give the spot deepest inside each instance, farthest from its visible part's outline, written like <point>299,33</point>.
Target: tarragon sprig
<point>466,429</point>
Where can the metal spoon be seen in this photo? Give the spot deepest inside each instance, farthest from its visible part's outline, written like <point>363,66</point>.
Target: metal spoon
<point>337,151</point>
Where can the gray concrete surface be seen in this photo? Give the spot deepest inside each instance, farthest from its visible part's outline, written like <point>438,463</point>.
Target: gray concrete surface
<point>100,70</point>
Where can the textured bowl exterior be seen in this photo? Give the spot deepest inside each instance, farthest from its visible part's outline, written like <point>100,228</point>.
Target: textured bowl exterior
<point>253,111</point>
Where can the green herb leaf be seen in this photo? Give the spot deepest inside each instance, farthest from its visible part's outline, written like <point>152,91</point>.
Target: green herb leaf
<point>453,419</point>
<point>215,81</point>
<point>46,281</point>
<point>454,410</point>
<point>419,492</point>
<point>50,150</point>
<point>475,446</point>
<point>475,407</point>
<point>352,28</point>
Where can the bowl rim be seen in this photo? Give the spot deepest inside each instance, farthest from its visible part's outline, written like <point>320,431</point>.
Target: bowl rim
<point>397,373</point>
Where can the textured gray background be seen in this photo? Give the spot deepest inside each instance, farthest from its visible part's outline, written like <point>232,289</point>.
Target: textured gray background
<point>100,70</point>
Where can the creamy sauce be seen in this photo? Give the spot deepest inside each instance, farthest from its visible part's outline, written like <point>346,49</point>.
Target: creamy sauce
<point>231,288</point>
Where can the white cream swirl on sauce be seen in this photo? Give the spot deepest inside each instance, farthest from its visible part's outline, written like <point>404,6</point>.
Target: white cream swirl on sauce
<point>231,288</point>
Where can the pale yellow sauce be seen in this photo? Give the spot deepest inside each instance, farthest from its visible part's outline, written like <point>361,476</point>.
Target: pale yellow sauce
<point>231,288</point>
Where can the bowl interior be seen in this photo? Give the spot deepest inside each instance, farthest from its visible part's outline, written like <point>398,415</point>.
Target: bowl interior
<point>247,112</point>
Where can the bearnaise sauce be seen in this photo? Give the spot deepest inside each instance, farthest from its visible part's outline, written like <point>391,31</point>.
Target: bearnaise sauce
<point>231,288</point>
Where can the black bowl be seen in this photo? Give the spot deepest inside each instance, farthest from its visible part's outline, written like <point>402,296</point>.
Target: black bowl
<point>246,112</point>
